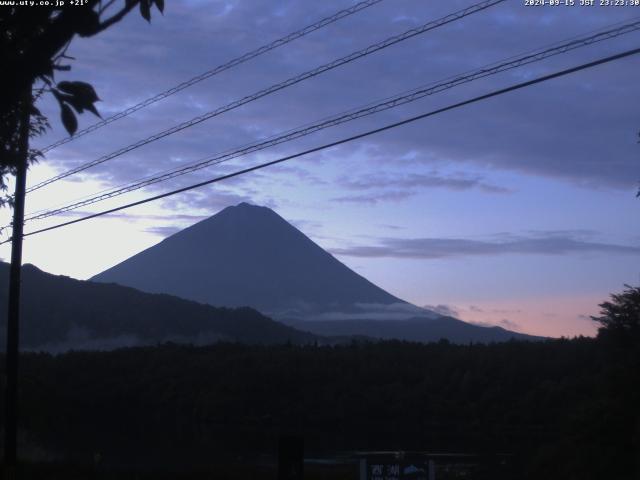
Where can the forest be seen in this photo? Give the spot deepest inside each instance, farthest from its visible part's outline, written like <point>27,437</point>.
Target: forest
<point>564,408</point>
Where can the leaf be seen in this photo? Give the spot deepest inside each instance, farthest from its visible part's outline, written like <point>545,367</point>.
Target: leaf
<point>68,119</point>
<point>80,95</point>
<point>81,90</point>
<point>160,5</point>
<point>65,98</point>
<point>145,10</point>
<point>75,103</point>
<point>93,110</point>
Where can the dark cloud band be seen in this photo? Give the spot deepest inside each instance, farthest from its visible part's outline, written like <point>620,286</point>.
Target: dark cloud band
<point>432,248</point>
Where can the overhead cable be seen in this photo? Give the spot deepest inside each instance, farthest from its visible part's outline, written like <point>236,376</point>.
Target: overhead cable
<point>368,133</point>
<point>219,69</point>
<point>391,102</point>
<point>277,87</point>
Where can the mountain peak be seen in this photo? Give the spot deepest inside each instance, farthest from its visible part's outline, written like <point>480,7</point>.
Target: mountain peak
<point>245,206</point>
<point>242,212</point>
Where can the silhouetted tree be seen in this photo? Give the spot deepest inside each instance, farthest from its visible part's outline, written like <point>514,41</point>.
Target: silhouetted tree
<point>619,334</point>
<point>33,45</point>
<point>620,318</point>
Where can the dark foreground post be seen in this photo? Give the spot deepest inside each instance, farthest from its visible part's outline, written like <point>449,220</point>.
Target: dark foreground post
<point>13,317</point>
<point>290,458</point>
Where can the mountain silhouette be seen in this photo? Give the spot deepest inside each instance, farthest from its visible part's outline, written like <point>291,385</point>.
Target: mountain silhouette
<point>59,313</point>
<point>248,255</point>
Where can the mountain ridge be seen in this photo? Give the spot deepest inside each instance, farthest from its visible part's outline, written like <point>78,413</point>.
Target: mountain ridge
<point>414,329</point>
<point>59,313</point>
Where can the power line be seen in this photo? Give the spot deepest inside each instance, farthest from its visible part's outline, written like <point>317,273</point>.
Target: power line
<point>391,102</point>
<point>219,69</point>
<point>620,29</point>
<point>279,86</point>
<point>495,93</point>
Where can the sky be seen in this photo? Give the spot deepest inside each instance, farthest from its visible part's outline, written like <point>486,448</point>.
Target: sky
<point>518,211</point>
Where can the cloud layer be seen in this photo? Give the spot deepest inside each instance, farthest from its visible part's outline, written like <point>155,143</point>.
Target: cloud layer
<point>546,243</point>
<point>562,130</point>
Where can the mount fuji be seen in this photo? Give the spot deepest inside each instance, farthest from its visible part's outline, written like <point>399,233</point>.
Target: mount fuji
<point>248,255</point>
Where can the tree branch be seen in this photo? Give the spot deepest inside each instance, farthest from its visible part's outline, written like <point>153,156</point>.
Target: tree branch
<point>129,5</point>
<point>104,9</point>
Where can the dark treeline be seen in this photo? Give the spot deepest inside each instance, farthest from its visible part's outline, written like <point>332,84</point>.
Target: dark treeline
<point>564,408</point>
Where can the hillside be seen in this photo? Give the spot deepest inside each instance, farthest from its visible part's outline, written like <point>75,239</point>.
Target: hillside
<point>59,313</point>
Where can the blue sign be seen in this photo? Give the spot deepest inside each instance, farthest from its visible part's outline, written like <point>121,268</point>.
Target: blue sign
<point>388,469</point>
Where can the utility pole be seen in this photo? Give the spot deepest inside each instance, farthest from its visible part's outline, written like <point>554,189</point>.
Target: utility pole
<point>13,317</point>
